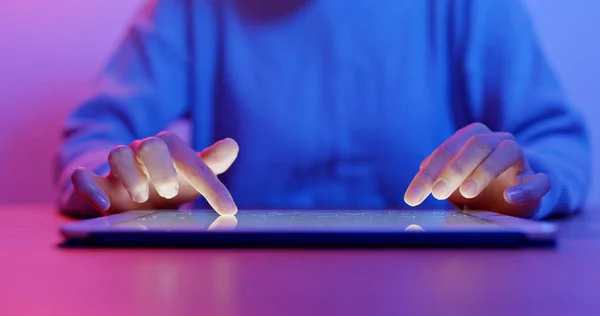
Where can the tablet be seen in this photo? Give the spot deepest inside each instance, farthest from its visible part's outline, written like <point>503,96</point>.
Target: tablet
<point>290,228</point>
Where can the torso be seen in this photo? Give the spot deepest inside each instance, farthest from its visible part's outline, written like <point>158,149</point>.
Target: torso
<point>334,104</point>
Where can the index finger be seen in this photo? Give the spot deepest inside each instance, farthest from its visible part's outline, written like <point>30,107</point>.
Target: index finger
<point>199,175</point>
<point>430,169</point>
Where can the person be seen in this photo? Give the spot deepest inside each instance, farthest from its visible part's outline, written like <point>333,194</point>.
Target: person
<point>327,104</point>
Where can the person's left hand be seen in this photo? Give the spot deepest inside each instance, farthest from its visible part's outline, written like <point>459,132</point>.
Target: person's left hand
<point>483,170</point>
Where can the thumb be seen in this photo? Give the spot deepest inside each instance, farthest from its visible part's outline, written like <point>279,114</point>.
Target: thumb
<point>221,155</point>
<point>531,189</point>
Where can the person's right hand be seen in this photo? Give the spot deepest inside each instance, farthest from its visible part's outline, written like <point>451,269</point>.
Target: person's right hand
<point>160,172</point>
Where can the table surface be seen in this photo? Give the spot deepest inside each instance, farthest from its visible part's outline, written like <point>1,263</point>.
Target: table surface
<point>37,277</point>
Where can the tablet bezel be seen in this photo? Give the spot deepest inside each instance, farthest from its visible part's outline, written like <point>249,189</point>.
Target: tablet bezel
<point>533,230</point>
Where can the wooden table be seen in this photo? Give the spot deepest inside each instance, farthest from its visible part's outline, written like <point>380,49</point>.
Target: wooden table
<point>39,278</point>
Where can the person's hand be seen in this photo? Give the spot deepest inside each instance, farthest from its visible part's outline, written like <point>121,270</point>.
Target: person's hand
<point>483,170</point>
<point>159,172</point>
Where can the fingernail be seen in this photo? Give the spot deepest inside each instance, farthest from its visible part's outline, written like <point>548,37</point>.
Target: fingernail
<point>140,195</point>
<point>514,195</point>
<point>100,201</point>
<point>469,188</point>
<point>413,196</point>
<point>168,191</point>
<point>440,190</point>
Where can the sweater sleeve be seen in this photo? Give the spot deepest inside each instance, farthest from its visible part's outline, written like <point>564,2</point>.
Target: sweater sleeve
<point>140,92</point>
<point>511,87</point>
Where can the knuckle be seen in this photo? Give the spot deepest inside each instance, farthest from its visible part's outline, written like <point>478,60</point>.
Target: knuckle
<point>118,153</point>
<point>545,177</point>
<point>165,133</point>
<point>457,169</point>
<point>478,126</point>
<point>202,168</point>
<point>479,143</point>
<point>166,136</point>
<point>164,173</point>
<point>483,175</point>
<point>512,146</point>
<point>78,171</point>
<point>77,175</point>
<point>426,176</point>
<point>423,163</point>
<point>488,173</point>
<point>505,135</point>
<point>81,181</point>
<point>151,145</point>
<point>444,153</point>
<point>546,181</point>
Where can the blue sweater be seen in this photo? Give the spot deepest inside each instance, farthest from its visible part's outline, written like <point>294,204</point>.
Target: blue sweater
<point>334,103</point>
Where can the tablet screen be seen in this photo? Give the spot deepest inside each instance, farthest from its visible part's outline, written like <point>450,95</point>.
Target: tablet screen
<point>305,221</point>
